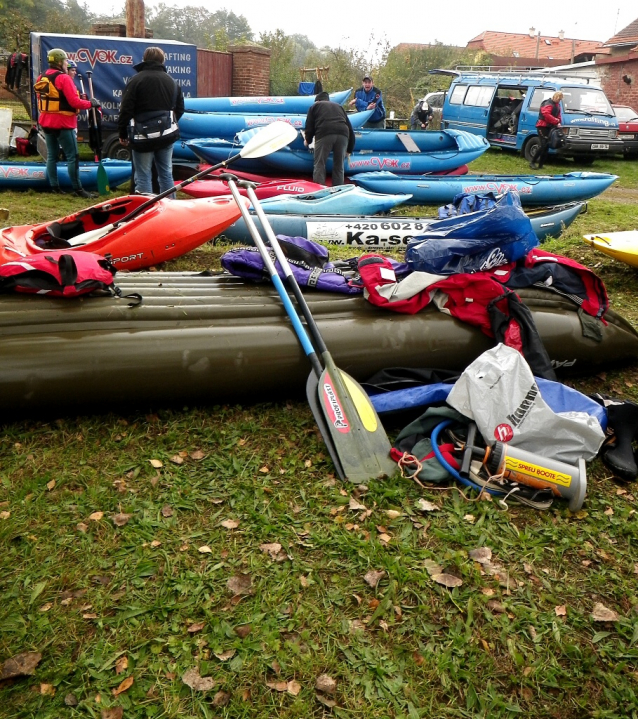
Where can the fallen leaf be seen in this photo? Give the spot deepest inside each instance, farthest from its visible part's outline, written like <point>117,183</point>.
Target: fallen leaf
<point>275,666</point>
<point>278,686</point>
<point>264,470</point>
<point>305,583</point>
<point>224,656</point>
<point>424,506</point>
<point>601,613</point>
<point>374,603</point>
<point>51,485</point>
<point>89,616</point>
<point>419,659</point>
<point>243,630</point>
<point>561,611</point>
<point>481,554</point>
<point>205,549</point>
<point>194,628</point>
<point>447,580</point>
<point>46,607</point>
<point>272,549</point>
<point>113,713</point>
<point>157,463</point>
<point>487,591</point>
<point>496,607</point>
<point>71,700</point>
<point>230,523</point>
<point>96,516</point>
<point>372,578</point>
<point>432,568</point>
<point>393,514</point>
<point>587,562</point>
<point>121,665</point>
<point>176,459</point>
<point>193,680</point>
<point>469,518</point>
<point>221,699</point>
<point>197,455</point>
<point>384,538</point>
<point>609,512</point>
<point>355,506</point>
<point>294,687</point>
<point>240,584</point>
<point>47,690</point>
<point>326,684</point>
<point>527,568</point>
<point>167,511</point>
<point>156,543</point>
<point>121,519</point>
<point>124,686</point>
<point>326,701</point>
<point>5,515</point>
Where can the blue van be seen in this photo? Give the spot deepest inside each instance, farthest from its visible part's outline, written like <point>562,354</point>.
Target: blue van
<point>503,107</point>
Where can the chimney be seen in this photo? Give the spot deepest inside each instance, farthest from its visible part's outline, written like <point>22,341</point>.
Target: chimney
<point>561,35</point>
<point>532,31</point>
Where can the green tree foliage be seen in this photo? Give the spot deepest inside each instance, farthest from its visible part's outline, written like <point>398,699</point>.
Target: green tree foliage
<point>198,26</point>
<point>20,17</point>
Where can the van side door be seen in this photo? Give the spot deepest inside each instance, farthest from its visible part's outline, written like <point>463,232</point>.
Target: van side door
<point>469,108</point>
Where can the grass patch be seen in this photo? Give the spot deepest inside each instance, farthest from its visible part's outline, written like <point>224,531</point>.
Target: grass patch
<point>88,593</point>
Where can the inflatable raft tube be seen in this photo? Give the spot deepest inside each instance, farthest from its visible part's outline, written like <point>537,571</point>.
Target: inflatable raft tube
<point>211,339</point>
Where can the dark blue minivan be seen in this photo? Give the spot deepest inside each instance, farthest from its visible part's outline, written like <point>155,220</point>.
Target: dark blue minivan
<point>503,107</point>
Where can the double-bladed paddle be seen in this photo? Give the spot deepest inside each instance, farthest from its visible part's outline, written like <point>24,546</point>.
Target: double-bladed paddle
<point>352,431</point>
<point>102,177</point>
<point>272,137</point>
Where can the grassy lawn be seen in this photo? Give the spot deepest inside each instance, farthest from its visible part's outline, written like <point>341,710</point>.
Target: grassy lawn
<point>139,547</point>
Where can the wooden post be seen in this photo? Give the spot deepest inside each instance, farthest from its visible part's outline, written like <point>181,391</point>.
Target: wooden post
<point>135,18</point>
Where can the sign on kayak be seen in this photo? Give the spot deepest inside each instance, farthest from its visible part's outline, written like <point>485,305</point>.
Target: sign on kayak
<point>385,233</point>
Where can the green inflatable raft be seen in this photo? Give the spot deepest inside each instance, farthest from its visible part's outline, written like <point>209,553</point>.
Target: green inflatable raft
<point>211,339</point>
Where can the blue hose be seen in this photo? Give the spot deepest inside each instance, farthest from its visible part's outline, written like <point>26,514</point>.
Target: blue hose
<point>447,466</point>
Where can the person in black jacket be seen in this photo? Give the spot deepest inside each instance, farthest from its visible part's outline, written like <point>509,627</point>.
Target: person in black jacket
<point>327,122</point>
<point>152,103</point>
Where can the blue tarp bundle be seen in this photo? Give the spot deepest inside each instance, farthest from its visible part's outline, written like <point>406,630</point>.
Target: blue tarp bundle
<point>306,88</point>
<point>490,238</point>
<point>465,202</point>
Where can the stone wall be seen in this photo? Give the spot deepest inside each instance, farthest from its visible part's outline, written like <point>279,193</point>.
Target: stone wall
<point>617,89</point>
<point>251,70</point>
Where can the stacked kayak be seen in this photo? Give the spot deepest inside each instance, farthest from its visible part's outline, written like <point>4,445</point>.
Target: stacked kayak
<point>333,201</point>
<point>282,104</point>
<point>370,233</point>
<point>533,190</point>
<point>33,175</point>
<point>621,246</point>
<point>198,339</point>
<point>161,232</point>
<point>264,190</point>
<point>374,150</point>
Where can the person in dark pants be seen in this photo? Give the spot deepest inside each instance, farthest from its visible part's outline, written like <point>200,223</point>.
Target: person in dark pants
<point>328,123</point>
<point>549,117</point>
<point>152,95</point>
<point>58,107</point>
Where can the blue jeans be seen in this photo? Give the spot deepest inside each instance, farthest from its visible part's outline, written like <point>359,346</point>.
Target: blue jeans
<point>143,164</point>
<point>64,140</point>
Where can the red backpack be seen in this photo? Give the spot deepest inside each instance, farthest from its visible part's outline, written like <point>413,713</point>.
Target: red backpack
<point>59,274</point>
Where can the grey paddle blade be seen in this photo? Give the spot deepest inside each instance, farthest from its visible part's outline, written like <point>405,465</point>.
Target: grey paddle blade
<point>358,436</point>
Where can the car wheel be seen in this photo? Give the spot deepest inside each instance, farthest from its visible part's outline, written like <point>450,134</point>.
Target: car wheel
<point>531,148</point>
<point>114,150</point>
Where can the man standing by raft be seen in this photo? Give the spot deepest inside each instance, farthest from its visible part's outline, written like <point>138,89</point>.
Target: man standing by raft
<point>327,122</point>
<point>58,108</point>
<point>368,97</point>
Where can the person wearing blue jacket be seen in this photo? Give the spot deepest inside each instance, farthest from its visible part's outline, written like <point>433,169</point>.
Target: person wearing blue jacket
<point>368,97</point>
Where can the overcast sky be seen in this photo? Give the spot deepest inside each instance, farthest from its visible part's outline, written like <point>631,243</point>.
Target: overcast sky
<point>350,24</point>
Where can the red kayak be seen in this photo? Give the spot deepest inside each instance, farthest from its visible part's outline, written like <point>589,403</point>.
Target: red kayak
<point>264,190</point>
<point>165,230</point>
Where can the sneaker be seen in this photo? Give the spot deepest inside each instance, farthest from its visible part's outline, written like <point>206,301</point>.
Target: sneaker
<point>57,191</point>
<point>83,193</point>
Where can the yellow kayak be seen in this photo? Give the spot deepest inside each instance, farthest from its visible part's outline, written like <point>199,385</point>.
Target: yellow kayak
<point>621,246</point>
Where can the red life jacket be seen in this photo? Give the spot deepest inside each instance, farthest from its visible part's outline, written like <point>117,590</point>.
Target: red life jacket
<point>58,274</point>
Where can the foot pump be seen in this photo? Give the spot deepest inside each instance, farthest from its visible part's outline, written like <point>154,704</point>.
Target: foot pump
<point>518,465</point>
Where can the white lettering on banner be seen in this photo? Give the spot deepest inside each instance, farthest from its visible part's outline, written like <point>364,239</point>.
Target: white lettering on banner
<point>117,93</point>
<point>177,69</point>
<point>182,83</point>
<point>177,56</point>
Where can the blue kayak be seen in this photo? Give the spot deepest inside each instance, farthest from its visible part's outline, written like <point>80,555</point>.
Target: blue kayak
<point>282,104</point>
<point>33,175</point>
<point>226,125</point>
<point>532,189</point>
<point>333,201</point>
<point>371,233</point>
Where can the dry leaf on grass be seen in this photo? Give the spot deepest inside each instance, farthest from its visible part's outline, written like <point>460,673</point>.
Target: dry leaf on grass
<point>326,684</point>
<point>272,549</point>
<point>155,543</point>
<point>292,687</point>
<point>176,459</point>
<point>496,607</point>
<point>167,511</point>
<point>113,713</point>
<point>194,628</point>
<point>96,516</point>
<point>47,690</point>
<point>561,611</point>
<point>197,455</point>
<point>601,613</point>
<point>243,630</point>
<point>46,607</point>
<point>20,665</point>
<point>372,578</point>
<point>355,506</point>
<point>121,519</point>
<point>121,665</point>
<point>124,686</point>
<point>447,580</point>
<point>326,701</point>
<point>481,554</point>
<point>424,506</point>
<point>393,514</point>
<point>469,518</point>
<point>432,568</point>
<point>51,485</point>
<point>157,463</point>
<point>230,523</point>
<point>5,515</point>
<point>240,584</point>
<point>224,656</point>
<point>81,527</point>
<point>221,699</point>
<point>193,680</point>
<point>205,549</point>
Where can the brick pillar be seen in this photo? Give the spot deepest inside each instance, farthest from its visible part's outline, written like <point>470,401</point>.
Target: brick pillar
<point>251,70</point>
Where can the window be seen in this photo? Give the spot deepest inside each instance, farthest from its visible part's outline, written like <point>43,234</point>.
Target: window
<point>539,96</point>
<point>456,98</point>
<point>586,99</point>
<point>479,96</point>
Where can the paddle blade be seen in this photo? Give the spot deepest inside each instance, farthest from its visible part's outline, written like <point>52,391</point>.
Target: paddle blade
<point>357,434</point>
<point>102,180</point>
<point>312,393</point>
<point>269,139</point>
